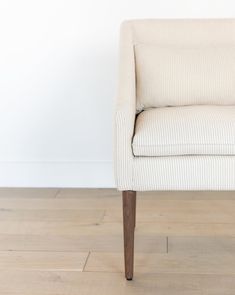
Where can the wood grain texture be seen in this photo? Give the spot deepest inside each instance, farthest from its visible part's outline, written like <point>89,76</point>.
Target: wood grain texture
<point>49,261</point>
<point>193,211</point>
<point>129,207</point>
<point>202,245</point>
<point>184,243</point>
<point>78,216</point>
<point>41,193</point>
<point>154,195</point>
<point>152,229</point>
<point>80,243</point>
<point>165,263</point>
<point>94,283</point>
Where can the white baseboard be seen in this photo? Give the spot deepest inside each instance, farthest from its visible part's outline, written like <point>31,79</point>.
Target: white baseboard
<point>57,174</point>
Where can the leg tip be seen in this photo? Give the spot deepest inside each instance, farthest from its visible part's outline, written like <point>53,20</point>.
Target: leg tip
<point>129,279</point>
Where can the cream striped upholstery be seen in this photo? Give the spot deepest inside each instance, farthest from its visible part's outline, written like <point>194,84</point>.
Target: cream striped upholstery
<point>212,171</point>
<point>184,75</point>
<point>182,173</point>
<point>187,130</point>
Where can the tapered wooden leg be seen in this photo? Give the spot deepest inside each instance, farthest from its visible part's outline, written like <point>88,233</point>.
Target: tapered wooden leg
<point>134,210</point>
<point>129,208</point>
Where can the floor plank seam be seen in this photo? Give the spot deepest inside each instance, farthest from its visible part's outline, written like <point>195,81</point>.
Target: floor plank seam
<point>165,273</point>
<point>88,255</point>
<point>57,193</point>
<point>46,251</point>
<point>102,218</point>
<point>177,222</point>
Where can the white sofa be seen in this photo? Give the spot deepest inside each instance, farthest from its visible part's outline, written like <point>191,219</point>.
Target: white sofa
<point>175,113</point>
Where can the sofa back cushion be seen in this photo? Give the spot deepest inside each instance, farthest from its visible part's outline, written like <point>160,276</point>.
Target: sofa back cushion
<point>181,74</point>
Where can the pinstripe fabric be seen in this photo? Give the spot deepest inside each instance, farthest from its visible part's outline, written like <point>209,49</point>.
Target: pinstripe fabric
<point>123,152</point>
<point>189,130</point>
<point>125,111</point>
<point>176,75</point>
<point>183,32</point>
<point>183,172</point>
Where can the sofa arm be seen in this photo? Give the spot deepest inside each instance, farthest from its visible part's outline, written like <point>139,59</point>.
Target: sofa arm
<point>125,111</point>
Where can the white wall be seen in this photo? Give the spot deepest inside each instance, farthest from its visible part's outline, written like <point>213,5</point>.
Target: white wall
<point>58,64</point>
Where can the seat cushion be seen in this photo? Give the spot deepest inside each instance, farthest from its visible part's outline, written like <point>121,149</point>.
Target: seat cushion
<point>187,130</point>
<point>184,75</point>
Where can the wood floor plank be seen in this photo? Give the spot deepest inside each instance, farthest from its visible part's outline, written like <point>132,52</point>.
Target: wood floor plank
<point>197,212</point>
<point>51,261</point>
<point>164,263</point>
<point>100,203</point>
<point>93,193</point>
<point>187,229</point>
<point>82,216</point>
<point>87,193</point>
<point>46,235</point>
<point>82,243</point>
<point>75,229</point>
<point>67,228</point>
<point>108,203</point>
<point>28,193</point>
<point>150,195</point>
<point>89,283</point>
<point>201,245</point>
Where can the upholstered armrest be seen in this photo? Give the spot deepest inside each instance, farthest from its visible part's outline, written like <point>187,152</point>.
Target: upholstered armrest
<point>125,111</point>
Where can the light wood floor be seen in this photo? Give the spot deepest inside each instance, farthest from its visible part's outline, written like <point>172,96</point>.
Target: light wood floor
<point>69,242</point>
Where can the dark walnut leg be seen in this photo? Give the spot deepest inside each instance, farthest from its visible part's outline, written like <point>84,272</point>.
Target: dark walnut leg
<point>129,214</point>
